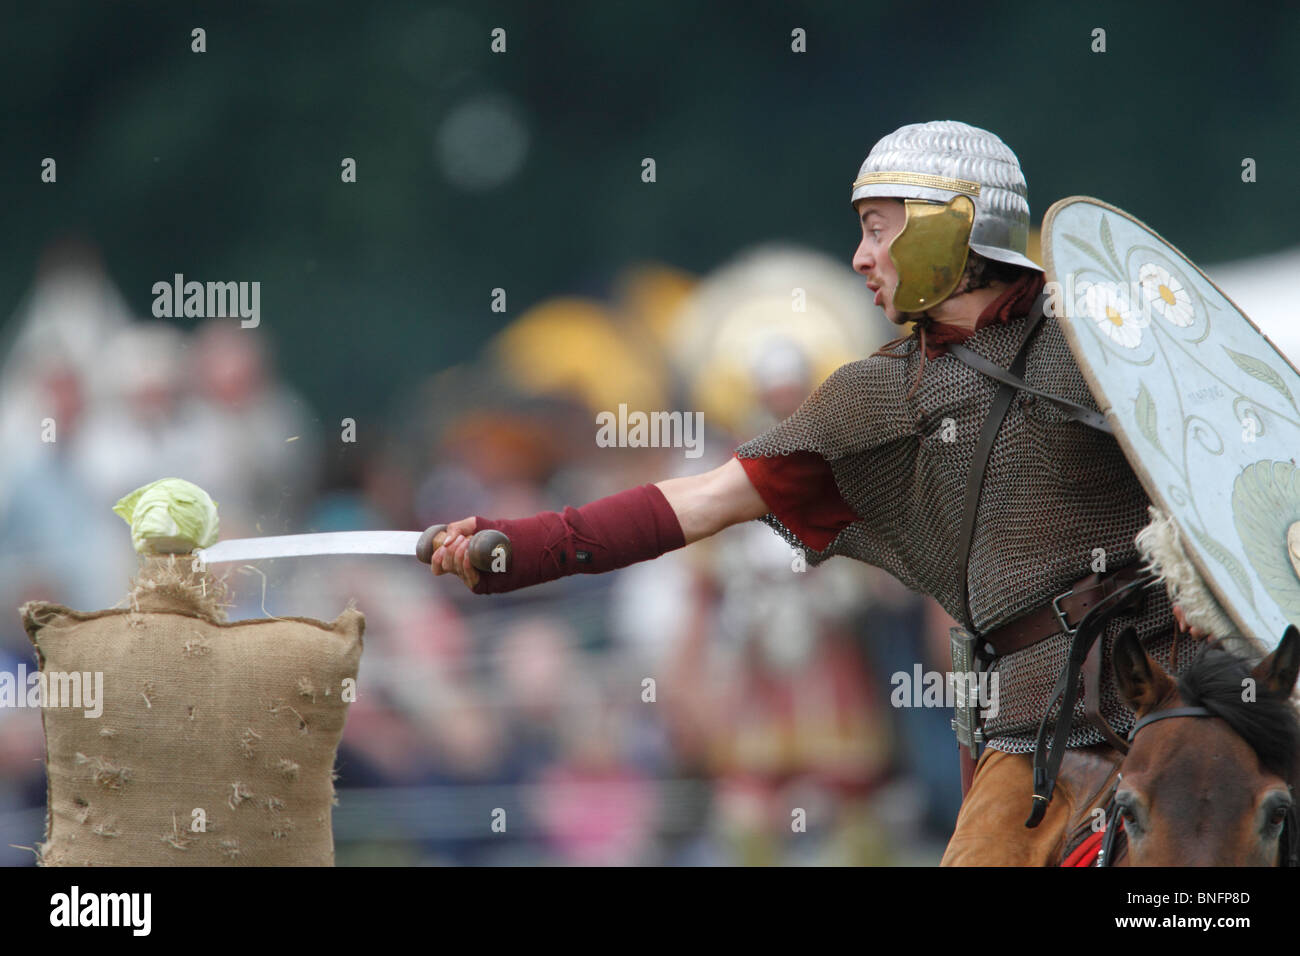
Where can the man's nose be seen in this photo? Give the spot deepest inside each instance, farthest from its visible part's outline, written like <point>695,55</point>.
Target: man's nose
<point>862,260</point>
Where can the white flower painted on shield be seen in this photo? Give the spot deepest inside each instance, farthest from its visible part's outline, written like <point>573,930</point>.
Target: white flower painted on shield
<point>1108,305</point>
<point>1166,294</point>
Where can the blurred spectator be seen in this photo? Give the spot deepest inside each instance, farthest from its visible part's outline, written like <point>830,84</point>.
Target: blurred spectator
<point>257,452</point>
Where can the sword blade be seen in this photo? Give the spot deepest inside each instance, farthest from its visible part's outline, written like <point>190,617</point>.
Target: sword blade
<point>301,545</point>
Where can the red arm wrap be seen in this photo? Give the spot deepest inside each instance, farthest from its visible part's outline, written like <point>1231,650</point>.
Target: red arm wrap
<point>612,532</point>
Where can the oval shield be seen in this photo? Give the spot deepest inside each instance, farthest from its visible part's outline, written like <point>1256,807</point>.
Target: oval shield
<point>1203,405</point>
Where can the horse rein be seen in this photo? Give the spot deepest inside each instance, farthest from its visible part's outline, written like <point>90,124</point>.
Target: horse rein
<point>1162,714</point>
<point>1290,844</point>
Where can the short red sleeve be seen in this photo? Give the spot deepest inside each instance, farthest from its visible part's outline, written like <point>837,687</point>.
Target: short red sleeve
<point>801,491</point>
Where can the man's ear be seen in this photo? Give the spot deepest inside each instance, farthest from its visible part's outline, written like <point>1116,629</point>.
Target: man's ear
<point>1276,674</point>
<point>1141,681</point>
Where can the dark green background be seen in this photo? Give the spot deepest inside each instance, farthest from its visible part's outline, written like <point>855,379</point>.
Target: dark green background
<point>225,165</point>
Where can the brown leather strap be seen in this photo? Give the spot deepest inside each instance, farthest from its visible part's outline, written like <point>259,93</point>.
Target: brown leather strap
<point>979,461</point>
<point>1072,410</point>
<point>1092,698</point>
<point>1029,629</point>
<point>1066,692</point>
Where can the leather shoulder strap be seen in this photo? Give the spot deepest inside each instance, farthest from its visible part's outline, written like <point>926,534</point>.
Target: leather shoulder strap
<point>1076,412</point>
<point>975,481</point>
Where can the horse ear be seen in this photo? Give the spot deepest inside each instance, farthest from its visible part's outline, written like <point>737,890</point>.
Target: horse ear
<point>1276,674</point>
<point>1141,680</point>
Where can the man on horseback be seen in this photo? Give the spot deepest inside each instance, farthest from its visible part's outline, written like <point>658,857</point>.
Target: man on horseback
<point>1013,507</point>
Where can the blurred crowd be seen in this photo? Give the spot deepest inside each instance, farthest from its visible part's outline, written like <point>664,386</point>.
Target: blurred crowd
<point>712,706</point>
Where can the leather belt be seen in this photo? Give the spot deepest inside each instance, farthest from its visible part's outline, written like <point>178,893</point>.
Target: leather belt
<point>1061,613</point>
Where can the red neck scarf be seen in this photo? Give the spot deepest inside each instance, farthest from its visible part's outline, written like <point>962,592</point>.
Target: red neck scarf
<point>934,337</point>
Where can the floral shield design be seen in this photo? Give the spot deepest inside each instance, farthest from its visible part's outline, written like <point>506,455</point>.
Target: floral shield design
<point>1203,405</point>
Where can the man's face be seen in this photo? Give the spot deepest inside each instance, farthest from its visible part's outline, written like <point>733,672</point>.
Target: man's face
<point>882,220</point>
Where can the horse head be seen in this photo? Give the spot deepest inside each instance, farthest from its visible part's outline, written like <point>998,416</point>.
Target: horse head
<point>1214,791</point>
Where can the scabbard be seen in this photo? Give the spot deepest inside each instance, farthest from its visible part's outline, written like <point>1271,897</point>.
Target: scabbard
<point>966,715</point>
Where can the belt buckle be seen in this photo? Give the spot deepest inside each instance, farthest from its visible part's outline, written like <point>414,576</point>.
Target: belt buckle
<point>1060,614</point>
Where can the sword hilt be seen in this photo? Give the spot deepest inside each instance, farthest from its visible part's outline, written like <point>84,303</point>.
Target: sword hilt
<point>486,548</point>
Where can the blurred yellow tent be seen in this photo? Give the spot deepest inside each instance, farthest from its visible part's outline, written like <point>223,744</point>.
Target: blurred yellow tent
<point>570,345</point>
<point>650,295</point>
<point>776,316</point>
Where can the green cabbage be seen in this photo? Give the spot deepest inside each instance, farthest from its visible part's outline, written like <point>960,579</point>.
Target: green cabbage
<point>170,515</point>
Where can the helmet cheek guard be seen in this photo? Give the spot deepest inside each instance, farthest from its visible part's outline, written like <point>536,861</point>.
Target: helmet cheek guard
<point>930,251</point>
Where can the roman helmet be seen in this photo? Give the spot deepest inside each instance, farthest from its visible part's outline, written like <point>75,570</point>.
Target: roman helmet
<point>963,189</point>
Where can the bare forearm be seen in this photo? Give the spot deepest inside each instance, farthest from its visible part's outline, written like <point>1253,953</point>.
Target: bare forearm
<point>707,503</point>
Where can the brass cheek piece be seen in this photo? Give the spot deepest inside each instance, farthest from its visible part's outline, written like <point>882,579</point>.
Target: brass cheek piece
<point>930,251</point>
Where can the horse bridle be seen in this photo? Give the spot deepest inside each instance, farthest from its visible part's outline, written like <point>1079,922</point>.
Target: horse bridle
<point>1290,838</point>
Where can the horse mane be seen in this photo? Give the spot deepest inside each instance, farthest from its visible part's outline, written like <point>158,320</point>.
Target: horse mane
<point>1269,723</point>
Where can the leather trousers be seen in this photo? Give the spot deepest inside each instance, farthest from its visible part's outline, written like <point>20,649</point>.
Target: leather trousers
<point>991,827</point>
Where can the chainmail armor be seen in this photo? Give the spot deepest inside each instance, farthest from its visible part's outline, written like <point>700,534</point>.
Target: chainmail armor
<point>1054,490</point>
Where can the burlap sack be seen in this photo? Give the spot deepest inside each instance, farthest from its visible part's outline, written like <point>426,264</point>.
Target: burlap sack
<point>216,741</point>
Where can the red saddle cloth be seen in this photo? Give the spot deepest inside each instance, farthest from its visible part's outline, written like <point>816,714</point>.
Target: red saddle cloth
<point>1085,854</point>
